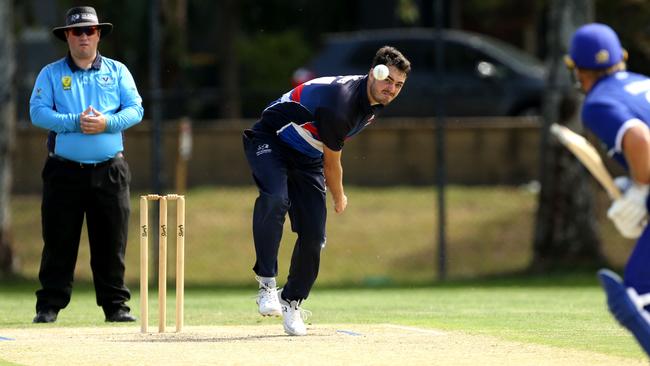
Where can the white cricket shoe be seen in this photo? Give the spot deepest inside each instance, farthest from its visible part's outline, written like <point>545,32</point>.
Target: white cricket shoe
<point>293,318</point>
<point>267,299</point>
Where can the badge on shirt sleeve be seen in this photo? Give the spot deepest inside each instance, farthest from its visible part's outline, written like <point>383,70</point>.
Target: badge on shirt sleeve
<point>66,81</point>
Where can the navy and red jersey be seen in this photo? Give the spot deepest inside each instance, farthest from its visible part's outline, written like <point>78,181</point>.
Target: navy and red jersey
<point>326,110</point>
<point>614,104</point>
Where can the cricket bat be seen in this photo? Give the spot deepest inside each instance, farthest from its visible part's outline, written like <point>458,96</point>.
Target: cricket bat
<point>588,156</point>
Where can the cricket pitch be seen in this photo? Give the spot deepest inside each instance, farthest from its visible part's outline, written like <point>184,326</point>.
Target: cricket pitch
<point>328,344</point>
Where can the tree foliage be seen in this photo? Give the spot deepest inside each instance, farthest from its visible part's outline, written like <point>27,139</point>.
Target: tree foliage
<point>194,60</point>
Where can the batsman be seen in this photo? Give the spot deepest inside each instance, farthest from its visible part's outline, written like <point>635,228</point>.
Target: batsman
<point>294,152</point>
<point>617,110</point>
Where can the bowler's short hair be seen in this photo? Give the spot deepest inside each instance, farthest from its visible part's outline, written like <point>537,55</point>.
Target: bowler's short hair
<point>391,56</point>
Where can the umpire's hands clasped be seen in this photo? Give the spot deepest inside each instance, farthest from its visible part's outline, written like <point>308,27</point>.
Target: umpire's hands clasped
<point>92,121</point>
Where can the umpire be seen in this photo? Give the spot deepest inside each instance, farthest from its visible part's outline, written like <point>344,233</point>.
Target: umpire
<point>85,101</point>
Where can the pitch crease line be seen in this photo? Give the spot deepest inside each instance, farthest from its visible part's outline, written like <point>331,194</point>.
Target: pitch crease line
<point>415,329</point>
<point>348,332</point>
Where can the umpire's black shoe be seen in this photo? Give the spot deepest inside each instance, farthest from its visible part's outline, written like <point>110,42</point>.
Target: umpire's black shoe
<point>120,316</point>
<point>45,316</point>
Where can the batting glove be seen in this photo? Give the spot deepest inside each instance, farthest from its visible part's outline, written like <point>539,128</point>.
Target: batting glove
<point>623,182</point>
<point>629,212</point>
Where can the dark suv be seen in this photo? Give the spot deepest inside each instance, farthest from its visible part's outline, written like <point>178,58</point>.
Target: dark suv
<point>482,76</point>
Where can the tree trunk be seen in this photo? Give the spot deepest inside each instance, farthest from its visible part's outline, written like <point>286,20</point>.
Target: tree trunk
<point>7,122</point>
<point>566,233</point>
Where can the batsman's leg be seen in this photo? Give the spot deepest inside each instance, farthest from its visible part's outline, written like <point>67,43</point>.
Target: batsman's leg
<point>627,307</point>
<point>637,270</point>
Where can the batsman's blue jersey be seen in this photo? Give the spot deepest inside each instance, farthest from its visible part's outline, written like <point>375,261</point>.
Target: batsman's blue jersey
<point>63,90</point>
<point>613,105</point>
<point>325,110</point>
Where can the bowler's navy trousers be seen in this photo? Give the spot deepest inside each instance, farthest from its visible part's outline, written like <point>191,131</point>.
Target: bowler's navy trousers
<point>288,181</point>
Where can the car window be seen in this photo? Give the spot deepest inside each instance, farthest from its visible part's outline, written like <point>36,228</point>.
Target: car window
<point>362,56</point>
<point>459,58</point>
<point>419,52</point>
<point>511,52</point>
<point>463,59</point>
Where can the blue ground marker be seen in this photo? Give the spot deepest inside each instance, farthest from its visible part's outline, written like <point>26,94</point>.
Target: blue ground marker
<point>6,339</point>
<point>348,332</point>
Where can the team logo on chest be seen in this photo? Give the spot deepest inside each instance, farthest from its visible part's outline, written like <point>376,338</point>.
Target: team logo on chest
<point>105,80</point>
<point>66,82</point>
<point>263,149</point>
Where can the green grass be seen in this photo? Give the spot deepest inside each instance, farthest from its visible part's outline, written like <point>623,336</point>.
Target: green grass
<point>379,266</point>
<point>6,363</point>
<point>387,235</point>
<point>563,311</point>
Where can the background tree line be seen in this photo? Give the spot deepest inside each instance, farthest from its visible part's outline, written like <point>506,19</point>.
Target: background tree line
<point>229,58</point>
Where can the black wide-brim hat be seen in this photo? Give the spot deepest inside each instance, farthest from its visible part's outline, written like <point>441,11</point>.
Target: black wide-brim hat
<point>82,16</point>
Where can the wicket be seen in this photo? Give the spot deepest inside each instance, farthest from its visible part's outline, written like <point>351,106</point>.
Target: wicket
<point>162,260</point>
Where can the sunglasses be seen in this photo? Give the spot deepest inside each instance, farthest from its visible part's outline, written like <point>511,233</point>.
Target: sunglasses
<point>89,31</point>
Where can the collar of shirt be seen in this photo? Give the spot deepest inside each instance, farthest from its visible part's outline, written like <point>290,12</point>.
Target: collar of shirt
<point>605,77</point>
<point>96,65</point>
<point>364,102</point>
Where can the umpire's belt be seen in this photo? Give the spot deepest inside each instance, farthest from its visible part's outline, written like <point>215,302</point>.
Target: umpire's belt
<point>76,164</point>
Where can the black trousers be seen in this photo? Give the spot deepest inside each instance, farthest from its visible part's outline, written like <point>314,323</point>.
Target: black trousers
<point>100,193</point>
<point>288,182</point>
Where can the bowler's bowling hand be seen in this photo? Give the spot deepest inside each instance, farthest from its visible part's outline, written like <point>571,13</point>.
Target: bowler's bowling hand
<point>629,213</point>
<point>340,204</point>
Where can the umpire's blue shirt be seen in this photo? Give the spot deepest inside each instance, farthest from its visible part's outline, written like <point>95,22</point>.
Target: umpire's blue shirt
<point>63,91</point>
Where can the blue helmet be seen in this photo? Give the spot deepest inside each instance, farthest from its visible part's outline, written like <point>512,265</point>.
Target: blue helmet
<point>595,46</point>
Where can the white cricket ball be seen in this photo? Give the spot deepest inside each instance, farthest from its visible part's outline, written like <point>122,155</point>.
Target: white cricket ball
<point>380,72</point>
